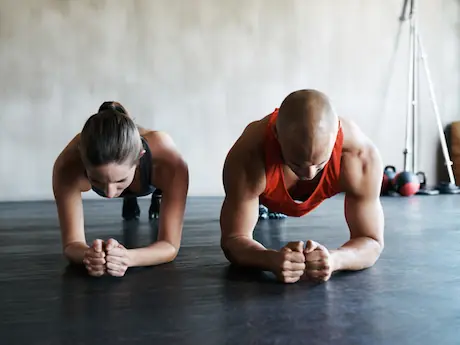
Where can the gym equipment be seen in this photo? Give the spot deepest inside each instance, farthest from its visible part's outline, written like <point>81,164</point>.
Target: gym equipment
<point>276,215</point>
<point>447,188</point>
<point>263,212</point>
<point>385,185</point>
<point>455,147</point>
<point>424,189</point>
<point>406,183</point>
<point>389,172</point>
<point>417,51</point>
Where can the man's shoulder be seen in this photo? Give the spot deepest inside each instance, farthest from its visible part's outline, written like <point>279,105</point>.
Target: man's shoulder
<point>249,145</point>
<point>361,167</point>
<point>244,163</point>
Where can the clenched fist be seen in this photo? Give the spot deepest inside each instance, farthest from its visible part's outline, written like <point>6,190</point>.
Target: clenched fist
<point>318,262</point>
<point>94,259</point>
<point>117,258</point>
<point>289,263</point>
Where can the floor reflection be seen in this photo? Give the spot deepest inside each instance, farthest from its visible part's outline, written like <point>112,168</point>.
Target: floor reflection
<point>133,235</point>
<point>270,233</point>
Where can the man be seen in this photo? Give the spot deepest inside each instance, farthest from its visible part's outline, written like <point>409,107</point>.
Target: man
<point>291,161</point>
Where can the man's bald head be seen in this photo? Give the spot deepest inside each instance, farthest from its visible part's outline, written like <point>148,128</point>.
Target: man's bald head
<point>306,129</point>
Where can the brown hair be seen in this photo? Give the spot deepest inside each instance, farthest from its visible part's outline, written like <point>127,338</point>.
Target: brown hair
<point>110,136</point>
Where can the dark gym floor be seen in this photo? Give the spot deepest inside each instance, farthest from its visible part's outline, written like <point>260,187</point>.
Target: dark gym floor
<point>411,296</point>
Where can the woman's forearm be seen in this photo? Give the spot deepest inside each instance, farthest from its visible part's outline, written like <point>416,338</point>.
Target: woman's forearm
<point>157,253</point>
<point>75,252</point>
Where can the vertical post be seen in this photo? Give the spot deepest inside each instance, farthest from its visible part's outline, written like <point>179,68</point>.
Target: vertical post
<point>410,93</point>
<point>415,96</point>
<point>436,111</point>
<point>402,17</point>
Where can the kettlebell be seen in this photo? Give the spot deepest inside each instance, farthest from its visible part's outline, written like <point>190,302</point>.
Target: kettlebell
<point>389,172</point>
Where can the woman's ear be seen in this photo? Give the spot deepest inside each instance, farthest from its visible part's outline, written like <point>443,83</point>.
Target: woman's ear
<point>142,153</point>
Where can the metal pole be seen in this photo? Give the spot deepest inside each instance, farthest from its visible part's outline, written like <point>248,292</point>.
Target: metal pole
<point>402,17</point>
<point>415,97</point>
<point>436,111</point>
<point>410,93</point>
<point>418,123</point>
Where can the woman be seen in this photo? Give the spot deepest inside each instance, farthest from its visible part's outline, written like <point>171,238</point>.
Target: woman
<point>116,158</point>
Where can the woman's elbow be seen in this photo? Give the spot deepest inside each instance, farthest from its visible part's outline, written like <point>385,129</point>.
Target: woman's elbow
<point>172,253</point>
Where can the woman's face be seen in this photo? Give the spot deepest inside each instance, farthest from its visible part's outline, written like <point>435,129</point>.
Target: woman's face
<point>112,178</point>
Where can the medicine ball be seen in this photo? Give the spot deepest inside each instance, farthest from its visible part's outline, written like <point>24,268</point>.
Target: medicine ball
<point>388,174</point>
<point>406,183</point>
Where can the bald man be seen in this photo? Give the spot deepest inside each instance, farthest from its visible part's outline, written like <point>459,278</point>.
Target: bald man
<point>291,161</point>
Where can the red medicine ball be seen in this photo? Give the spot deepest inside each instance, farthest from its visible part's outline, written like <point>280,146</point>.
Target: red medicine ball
<point>406,183</point>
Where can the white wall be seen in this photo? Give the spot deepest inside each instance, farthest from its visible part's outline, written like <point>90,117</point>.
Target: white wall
<point>202,69</point>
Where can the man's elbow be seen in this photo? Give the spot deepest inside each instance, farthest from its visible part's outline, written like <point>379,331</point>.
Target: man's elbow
<point>378,245</point>
<point>226,249</point>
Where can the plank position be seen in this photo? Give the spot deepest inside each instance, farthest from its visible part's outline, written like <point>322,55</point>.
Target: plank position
<point>291,161</point>
<point>116,158</point>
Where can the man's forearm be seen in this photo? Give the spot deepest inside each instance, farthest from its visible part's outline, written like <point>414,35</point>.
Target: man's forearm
<point>157,253</point>
<point>75,252</point>
<point>245,251</point>
<point>357,254</point>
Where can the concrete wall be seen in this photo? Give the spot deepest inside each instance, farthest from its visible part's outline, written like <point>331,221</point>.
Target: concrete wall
<point>202,69</point>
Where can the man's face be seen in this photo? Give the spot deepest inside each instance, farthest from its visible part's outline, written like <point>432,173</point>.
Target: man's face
<point>306,159</point>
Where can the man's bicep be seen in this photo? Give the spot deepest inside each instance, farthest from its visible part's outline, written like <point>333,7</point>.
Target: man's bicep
<point>239,212</point>
<point>363,209</point>
<point>364,216</point>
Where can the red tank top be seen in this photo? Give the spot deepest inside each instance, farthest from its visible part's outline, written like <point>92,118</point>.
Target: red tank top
<point>277,198</point>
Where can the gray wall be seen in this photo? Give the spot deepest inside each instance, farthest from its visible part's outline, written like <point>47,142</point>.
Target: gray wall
<point>202,69</point>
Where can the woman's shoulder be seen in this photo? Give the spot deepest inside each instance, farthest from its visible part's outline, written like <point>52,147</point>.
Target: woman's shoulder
<point>158,141</point>
<point>70,152</point>
<point>68,163</point>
